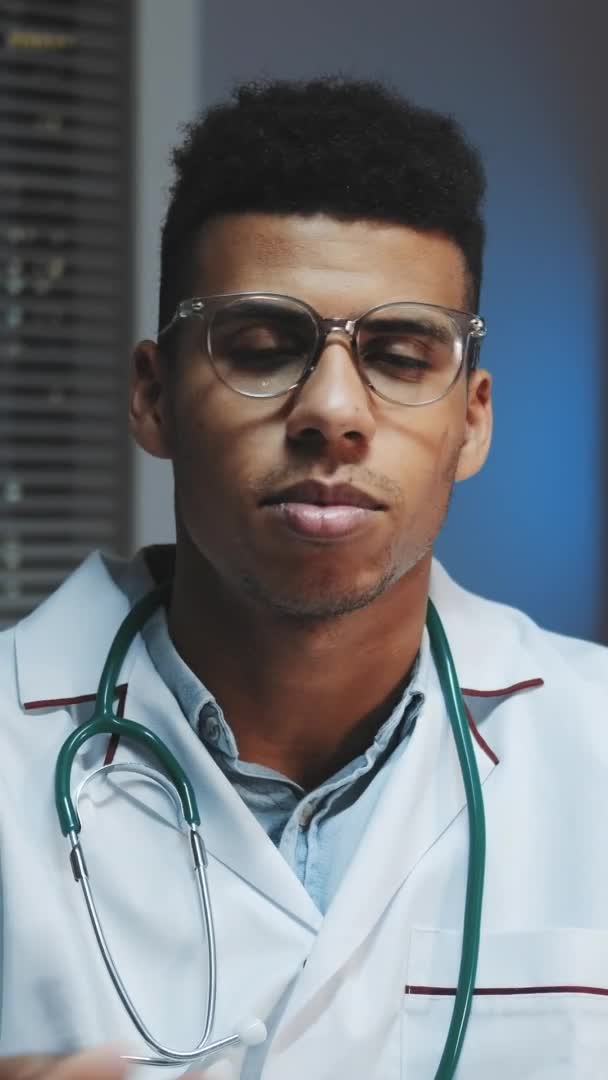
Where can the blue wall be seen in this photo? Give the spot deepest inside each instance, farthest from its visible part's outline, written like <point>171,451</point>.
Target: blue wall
<point>530,529</point>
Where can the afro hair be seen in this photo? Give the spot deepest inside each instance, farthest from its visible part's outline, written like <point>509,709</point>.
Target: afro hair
<point>353,150</point>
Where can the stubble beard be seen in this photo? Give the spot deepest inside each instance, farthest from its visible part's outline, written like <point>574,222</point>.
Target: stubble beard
<point>310,601</point>
<point>315,604</point>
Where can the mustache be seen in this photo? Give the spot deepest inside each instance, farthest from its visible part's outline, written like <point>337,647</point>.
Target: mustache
<point>361,477</point>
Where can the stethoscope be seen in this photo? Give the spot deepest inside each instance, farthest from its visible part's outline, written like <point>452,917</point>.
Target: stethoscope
<point>106,721</point>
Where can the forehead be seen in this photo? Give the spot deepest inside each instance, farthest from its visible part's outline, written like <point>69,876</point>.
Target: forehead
<point>338,267</point>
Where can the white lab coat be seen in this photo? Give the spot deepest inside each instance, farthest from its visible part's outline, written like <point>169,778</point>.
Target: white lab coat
<point>359,994</point>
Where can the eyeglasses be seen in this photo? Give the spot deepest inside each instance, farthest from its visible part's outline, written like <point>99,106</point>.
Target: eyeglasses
<point>264,345</point>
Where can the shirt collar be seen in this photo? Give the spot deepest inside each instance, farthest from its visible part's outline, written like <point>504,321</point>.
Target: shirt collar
<point>192,695</point>
<point>205,715</point>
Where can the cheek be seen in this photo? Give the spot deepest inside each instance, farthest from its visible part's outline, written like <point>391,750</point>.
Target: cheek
<point>448,455</point>
<point>221,440</point>
<point>429,448</point>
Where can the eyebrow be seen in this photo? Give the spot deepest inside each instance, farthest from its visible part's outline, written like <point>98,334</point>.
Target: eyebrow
<point>413,326</point>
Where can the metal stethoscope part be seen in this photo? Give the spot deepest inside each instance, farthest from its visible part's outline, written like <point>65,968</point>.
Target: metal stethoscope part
<point>250,1033</point>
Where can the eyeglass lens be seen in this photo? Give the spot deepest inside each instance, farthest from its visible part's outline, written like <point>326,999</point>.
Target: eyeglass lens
<point>261,346</point>
<point>409,353</point>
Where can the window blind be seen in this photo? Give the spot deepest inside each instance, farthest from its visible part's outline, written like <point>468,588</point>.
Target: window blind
<point>65,156</point>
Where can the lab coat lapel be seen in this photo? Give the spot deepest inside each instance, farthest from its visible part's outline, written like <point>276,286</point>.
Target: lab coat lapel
<point>230,831</point>
<point>424,796</point>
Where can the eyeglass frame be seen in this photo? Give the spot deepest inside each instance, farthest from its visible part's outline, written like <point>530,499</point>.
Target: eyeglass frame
<point>198,307</point>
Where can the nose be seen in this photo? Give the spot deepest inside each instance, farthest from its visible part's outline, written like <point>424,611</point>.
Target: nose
<point>333,407</point>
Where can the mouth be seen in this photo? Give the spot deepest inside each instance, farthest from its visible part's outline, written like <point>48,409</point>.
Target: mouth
<point>317,511</point>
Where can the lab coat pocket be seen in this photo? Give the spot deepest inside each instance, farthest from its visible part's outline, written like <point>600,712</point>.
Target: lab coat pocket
<point>540,1010</point>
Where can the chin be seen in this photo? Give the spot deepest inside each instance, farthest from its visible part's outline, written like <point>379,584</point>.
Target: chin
<point>318,600</point>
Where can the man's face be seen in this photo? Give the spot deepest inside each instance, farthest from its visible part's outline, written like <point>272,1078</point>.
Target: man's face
<point>235,458</point>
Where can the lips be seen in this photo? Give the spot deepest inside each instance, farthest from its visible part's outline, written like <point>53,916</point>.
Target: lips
<point>317,511</point>
<point>314,493</point>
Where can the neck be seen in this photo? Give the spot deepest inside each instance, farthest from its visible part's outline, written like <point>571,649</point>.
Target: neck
<point>303,697</point>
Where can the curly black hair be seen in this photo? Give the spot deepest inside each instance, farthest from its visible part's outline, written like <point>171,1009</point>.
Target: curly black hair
<point>349,149</point>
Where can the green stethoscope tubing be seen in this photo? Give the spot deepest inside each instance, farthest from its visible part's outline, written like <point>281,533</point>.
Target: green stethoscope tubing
<point>471,929</point>
<point>105,721</point>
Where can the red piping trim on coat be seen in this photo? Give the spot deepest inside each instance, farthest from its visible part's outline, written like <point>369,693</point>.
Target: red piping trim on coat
<point>527,684</point>
<point>499,991</point>
<point>55,703</point>
<point>121,693</point>
<point>479,739</point>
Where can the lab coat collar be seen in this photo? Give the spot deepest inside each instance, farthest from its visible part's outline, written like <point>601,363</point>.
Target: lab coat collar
<point>61,647</point>
<point>493,645</point>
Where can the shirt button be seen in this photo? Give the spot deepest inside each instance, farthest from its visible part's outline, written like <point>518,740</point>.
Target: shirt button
<point>305,815</point>
<point>208,726</point>
<point>213,731</point>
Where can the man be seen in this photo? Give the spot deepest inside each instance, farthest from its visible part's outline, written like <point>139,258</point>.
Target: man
<point>316,385</point>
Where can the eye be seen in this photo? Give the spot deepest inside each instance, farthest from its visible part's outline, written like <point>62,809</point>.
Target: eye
<point>245,356</point>
<point>404,361</point>
<point>261,345</point>
<point>256,337</point>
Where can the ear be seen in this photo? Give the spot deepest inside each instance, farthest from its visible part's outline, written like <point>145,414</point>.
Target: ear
<point>149,413</point>
<point>478,427</point>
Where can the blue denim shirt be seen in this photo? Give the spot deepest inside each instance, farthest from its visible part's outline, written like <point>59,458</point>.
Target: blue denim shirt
<point>316,831</point>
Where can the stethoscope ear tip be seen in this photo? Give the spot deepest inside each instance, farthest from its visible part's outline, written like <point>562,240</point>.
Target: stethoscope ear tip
<point>253,1032</point>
